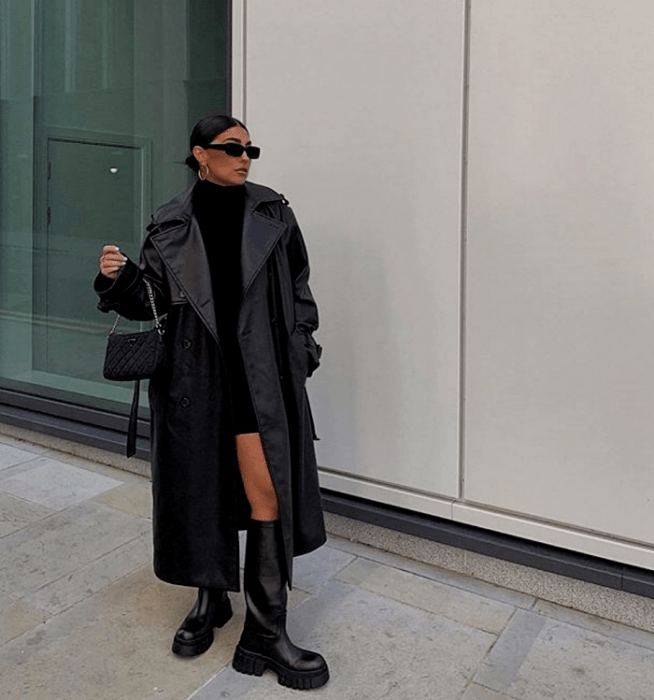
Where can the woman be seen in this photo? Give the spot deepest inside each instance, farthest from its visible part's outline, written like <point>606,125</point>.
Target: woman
<point>231,433</point>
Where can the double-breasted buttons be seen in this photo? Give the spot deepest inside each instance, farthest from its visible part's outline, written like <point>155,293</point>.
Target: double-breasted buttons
<point>185,402</point>
<point>186,343</point>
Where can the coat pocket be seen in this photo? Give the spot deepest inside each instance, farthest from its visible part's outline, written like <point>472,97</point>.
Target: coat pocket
<point>314,351</point>
<point>177,297</point>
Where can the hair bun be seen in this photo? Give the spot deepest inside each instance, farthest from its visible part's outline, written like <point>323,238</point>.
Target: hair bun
<point>192,163</point>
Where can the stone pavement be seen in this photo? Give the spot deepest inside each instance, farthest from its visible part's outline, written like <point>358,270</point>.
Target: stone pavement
<point>82,617</point>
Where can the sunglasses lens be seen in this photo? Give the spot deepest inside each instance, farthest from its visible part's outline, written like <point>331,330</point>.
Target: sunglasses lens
<point>234,149</point>
<point>253,152</point>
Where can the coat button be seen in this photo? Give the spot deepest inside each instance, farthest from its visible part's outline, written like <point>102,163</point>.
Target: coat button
<point>186,343</point>
<point>185,402</point>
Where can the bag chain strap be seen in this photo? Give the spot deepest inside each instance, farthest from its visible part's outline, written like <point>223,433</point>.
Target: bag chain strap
<point>157,322</point>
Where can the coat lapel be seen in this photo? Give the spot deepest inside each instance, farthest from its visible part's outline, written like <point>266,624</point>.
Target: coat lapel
<point>260,234</point>
<point>182,249</point>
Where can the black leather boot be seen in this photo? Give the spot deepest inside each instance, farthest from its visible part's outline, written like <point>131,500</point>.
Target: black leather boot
<point>264,642</point>
<point>211,609</point>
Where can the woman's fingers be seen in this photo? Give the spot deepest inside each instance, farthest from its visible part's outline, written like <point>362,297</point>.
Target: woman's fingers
<point>111,261</point>
<point>111,258</point>
<point>109,272</point>
<point>112,251</point>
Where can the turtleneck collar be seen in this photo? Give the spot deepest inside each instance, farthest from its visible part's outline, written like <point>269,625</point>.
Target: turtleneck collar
<point>208,188</point>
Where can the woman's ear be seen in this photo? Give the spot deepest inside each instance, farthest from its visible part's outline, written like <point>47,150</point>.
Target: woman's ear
<point>199,154</point>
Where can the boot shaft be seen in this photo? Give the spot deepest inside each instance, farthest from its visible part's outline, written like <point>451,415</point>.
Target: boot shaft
<point>264,576</point>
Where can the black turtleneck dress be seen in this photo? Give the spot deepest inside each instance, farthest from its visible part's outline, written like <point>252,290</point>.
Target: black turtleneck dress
<point>219,211</point>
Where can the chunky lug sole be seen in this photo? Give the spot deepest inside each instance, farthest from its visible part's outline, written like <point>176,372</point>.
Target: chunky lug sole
<point>201,643</point>
<point>254,665</point>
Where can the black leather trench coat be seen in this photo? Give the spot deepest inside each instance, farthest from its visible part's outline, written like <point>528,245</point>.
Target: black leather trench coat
<point>198,499</point>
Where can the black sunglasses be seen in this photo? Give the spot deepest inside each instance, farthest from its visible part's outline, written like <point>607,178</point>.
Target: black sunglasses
<point>236,149</point>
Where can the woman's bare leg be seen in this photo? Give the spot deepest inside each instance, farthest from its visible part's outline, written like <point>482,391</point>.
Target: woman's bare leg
<point>254,470</point>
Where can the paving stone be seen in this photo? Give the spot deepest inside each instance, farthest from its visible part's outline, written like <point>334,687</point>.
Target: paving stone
<point>135,499</point>
<point>478,692</point>
<point>16,513</point>
<point>5,601</point>
<point>358,571</point>
<point>55,484</point>
<point>79,454</point>
<point>45,551</point>
<point>47,444</point>
<point>311,571</point>
<point>59,595</point>
<point>470,609</point>
<point>115,471</point>
<point>17,617</point>
<point>121,651</point>
<point>20,650</point>
<point>596,624</point>
<point>375,647</point>
<point>242,540</point>
<point>569,662</point>
<point>503,663</point>
<point>10,456</point>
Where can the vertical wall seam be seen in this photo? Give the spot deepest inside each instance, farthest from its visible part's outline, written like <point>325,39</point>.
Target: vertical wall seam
<point>70,46</point>
<point>5,53</point>
<point>244,59</point>
<point>230,57</point>
<point>104,48</point>
<point>463,247</point>
<point>37,48</point>
<point>237,56</point>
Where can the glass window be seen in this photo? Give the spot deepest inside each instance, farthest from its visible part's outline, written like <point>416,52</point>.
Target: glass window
<point>97,100</point>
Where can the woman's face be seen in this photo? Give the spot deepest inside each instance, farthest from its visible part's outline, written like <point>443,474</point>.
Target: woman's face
<point>220,168</point>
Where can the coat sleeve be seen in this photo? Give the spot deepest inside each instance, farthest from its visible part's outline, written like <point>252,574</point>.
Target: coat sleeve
<point>306,310</point>
<point>127,295</point>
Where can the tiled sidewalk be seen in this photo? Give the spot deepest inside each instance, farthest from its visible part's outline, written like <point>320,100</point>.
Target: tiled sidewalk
<point>82,616</point>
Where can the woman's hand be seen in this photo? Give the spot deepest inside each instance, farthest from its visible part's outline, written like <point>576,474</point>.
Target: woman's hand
<point>111,261</point>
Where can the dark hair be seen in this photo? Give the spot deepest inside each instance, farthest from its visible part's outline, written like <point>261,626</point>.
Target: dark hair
<point>206,130</point>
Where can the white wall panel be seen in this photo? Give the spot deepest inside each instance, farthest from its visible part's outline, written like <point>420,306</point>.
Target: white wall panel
<point>357,107</point>
<point>560,276</point>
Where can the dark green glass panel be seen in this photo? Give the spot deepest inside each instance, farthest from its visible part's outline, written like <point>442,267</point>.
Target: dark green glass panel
<point>96,103</point>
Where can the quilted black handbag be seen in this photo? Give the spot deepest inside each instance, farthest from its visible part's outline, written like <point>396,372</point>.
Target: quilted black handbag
<point>132,357</point>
